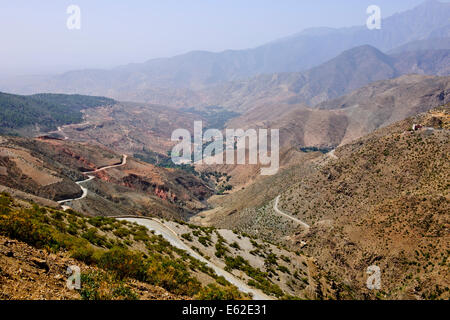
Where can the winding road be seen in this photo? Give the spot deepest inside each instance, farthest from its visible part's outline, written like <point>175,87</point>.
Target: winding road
<point>85,191</point>
<point>275,207</point>
<point>90,178</point>
<point>124,162</point>
<point>172,237</point>
<point>332,154</point>
<point>60,130</point>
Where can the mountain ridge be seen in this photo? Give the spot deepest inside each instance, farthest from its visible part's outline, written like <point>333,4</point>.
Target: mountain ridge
<point>349,71</point>
<point>198,69</point>
<point>379,200</point>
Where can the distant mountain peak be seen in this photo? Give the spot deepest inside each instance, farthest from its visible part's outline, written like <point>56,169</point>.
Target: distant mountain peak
<point>150,81</point>
<point>432,3</point>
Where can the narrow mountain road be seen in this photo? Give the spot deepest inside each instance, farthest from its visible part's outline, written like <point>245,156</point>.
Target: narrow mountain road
<point>60,130</point>
<point>85,191</point>
<point>275,207</point>
<point>124,162</point>
<point>332,154</point>
<point>90,178</point>
<point>172,237</point>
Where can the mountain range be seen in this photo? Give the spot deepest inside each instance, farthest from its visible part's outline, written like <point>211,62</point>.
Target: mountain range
<point>349,71</point>
<point>159,79</point>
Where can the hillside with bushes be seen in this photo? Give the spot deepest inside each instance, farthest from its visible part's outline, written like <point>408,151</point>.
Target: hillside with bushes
<point>119,260</point>
<point>381,200</point>
<point>45,111</point>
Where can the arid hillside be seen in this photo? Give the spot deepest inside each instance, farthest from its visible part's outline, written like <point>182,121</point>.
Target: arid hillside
<point>123,260</point>
<point>117,260</point>
<point>337,122</point>
<point>140,129</point>
<point>381,200</point>
<point>384,201</point>
<point>344,119</point>
<point>130,127</point>
<point>48,168</point>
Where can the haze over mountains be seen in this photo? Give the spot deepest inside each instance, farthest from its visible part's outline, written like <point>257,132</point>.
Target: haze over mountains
<point>151,81</point>
<point>347,72</point>
<point>344,119</point>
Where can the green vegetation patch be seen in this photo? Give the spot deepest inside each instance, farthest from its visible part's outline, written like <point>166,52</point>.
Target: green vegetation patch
<point>45,110</point>
<point>84,238</point>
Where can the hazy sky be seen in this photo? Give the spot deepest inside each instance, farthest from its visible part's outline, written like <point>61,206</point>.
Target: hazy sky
<point>35,38</point>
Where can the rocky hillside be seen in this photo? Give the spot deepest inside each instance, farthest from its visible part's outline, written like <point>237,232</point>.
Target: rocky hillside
<point>123,260</point>
<point>385,201</point>
<point>28,273</point>
<point>48,168</point>
<point>381,200</point>
<point>118,260</point>
<point>344,119</point>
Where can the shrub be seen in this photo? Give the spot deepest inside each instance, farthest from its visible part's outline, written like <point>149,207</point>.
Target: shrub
<point>221,250</point>
<point>187,236</point>
<point>284,269</point>
<point>205,241</point>
<point>270,260</point>
<point>124,293</point>
<point>123,263</point>
<point>93,237</point>
<point>122,232</point>
<point>84,254</point>
<point>99,286</point>
<point>235,245</point>
<point>24,226</point>
<point>213,292</point>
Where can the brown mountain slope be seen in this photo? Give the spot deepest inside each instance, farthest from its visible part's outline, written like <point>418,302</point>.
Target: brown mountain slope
<point>347,72</point>
<point>339,121</point>
<point>48,168</point>
<point>143,189</point>
<point>384,201</point>
<point>431,62</point>
<point>24,276</point>
<point>130,127</point>
<point>342,120</point>
<point>24,167</point>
